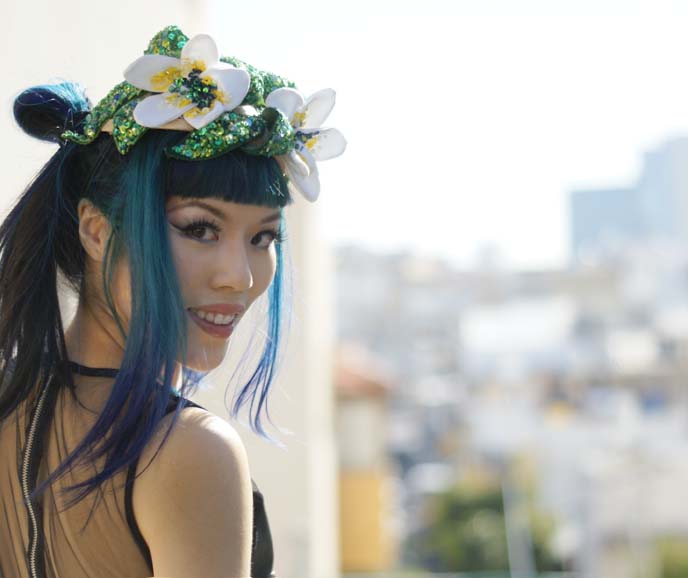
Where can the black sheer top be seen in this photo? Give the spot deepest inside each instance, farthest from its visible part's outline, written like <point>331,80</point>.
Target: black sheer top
<point>44,539</point>
<point>261,551</point>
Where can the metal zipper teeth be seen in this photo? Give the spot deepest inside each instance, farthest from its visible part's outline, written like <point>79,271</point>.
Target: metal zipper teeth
<point>25,484</point>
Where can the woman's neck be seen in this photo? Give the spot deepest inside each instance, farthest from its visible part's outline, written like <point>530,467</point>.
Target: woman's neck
<point>90,341</point>
<point>94,340</point>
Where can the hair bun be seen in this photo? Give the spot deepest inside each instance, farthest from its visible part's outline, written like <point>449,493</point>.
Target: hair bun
<point>46,111</point>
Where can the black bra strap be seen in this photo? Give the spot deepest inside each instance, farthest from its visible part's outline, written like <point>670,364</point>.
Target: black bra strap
<point>131,519</point>
<point>262,557</point>
<point>129,488</point>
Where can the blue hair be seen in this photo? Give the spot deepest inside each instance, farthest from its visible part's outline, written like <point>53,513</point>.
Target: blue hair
<point>40,237</point>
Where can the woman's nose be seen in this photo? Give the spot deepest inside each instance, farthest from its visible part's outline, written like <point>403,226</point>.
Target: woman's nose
<point>234,268</point>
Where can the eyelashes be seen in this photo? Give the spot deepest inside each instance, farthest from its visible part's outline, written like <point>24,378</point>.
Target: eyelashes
<point>201,226</point>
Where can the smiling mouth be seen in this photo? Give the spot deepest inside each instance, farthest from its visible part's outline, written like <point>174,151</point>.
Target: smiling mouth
<point>215,325</point>
<point>214,318</point>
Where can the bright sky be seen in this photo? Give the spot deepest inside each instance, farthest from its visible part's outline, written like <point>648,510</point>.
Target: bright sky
<point>469,122</point>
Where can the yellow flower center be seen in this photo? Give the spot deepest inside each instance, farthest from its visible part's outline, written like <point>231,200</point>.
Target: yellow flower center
<point>188,65</point>
<point>222,96</point>
<point>162,80</point>
<point>198,111</point>
<point>178,100</point>
<point>299,118</point>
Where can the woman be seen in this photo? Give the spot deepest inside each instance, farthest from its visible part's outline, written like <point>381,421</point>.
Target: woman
<point>162,211</point>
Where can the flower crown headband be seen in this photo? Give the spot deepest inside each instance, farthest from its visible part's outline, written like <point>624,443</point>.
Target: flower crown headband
<point>224,103</point>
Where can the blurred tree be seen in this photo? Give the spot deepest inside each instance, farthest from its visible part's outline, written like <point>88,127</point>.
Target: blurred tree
<point>466,533</point>
<point>673,557</point>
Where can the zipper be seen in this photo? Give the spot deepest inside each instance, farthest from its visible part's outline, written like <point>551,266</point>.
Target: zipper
<point>33,522</point>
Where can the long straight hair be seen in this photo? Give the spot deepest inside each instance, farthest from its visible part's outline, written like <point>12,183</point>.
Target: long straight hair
<point>39,243</point>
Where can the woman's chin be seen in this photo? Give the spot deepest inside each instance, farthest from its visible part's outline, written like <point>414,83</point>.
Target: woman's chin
<point>205,361</point>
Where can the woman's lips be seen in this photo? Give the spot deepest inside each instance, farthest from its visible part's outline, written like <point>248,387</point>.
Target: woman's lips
<point>222,331</point>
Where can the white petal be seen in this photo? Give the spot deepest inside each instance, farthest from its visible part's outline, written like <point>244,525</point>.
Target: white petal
<point>318,107</point>
<point>307,158</point>
<point>153,72</point>
<point>198,119</point>
<point>201,47</point>
<point>233,84</point>
<point>325,143</point>
<point>308,186</point>
<point>219,65</point>
<point>287,100</point>
<point>159,109</point>
<point>296,164</point>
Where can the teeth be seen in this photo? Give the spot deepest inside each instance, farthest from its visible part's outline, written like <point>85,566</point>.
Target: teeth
<point>216,318</point>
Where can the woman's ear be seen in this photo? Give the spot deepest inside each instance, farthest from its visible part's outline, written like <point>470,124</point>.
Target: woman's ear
<point>94,229</point>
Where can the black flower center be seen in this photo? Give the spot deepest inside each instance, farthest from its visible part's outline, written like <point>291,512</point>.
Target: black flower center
<point>201,91</point>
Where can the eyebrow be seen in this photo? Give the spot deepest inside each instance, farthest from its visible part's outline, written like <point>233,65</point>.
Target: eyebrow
<point>219,214</point>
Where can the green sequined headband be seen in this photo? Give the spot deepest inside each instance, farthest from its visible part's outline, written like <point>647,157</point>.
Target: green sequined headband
<point>224,103</point>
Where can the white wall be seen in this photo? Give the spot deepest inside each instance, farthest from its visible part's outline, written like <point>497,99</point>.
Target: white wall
<point>299,483</point>
<point>79,40</point>
<point>91,43</point>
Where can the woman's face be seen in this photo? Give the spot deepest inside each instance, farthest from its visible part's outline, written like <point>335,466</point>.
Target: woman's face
<point>224,255</point>
<point>225,258</point>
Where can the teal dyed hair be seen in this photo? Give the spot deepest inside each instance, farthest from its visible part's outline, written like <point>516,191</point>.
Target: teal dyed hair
<point>40,238</point>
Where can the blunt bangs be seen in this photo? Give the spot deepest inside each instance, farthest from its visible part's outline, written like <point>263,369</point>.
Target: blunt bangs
<point>236,177</point>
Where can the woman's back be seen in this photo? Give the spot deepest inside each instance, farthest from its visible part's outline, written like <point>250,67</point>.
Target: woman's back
<point>111,543</point>
<point>162,212</point>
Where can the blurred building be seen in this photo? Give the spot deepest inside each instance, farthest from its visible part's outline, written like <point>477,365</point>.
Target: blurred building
<point>605,218</point>
<point>663,190</point>
<point>367,536</point>
<point>582,370</point>
<point>655,208</point>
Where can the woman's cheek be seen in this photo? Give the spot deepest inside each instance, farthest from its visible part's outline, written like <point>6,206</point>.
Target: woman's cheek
<point>185,264</point>
<point>122,292</point>
<point>266,272</point>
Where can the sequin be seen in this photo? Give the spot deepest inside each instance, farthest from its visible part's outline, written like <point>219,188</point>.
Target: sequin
<point>126,132</point>
<point>268,134</point>
<point>229,131</point>
<point>102,112</point>
<point>273,82</point>
<point>168,42</point>
<point>262,83</point>
<point>192,88</point>
<point>279,137</point>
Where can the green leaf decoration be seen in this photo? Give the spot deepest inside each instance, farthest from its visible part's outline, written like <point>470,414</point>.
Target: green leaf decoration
<point>262,83</point>
<point>168,42</point>
<point>126,131</point>
<point>273,82</point>
<point>279,137</point>
<point>102,112</point>
<point>255,95</point>
<point>229,131</point>
<point>267,134</point>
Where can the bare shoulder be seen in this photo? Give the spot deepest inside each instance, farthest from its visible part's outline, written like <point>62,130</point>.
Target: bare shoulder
<point>193,503</point>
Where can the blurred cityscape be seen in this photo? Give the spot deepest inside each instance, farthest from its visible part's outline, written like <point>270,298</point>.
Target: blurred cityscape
<point>523,423</point>
<point>489,422</point>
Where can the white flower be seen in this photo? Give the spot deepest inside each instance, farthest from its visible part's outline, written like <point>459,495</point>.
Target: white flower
<point>196,86</point>
<point>312,142</point>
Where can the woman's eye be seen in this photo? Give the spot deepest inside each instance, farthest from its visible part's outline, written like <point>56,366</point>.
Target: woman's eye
<point>204,230</point>
<point>197,231</point>
<point>201,230</point>
<point>265,238</point>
